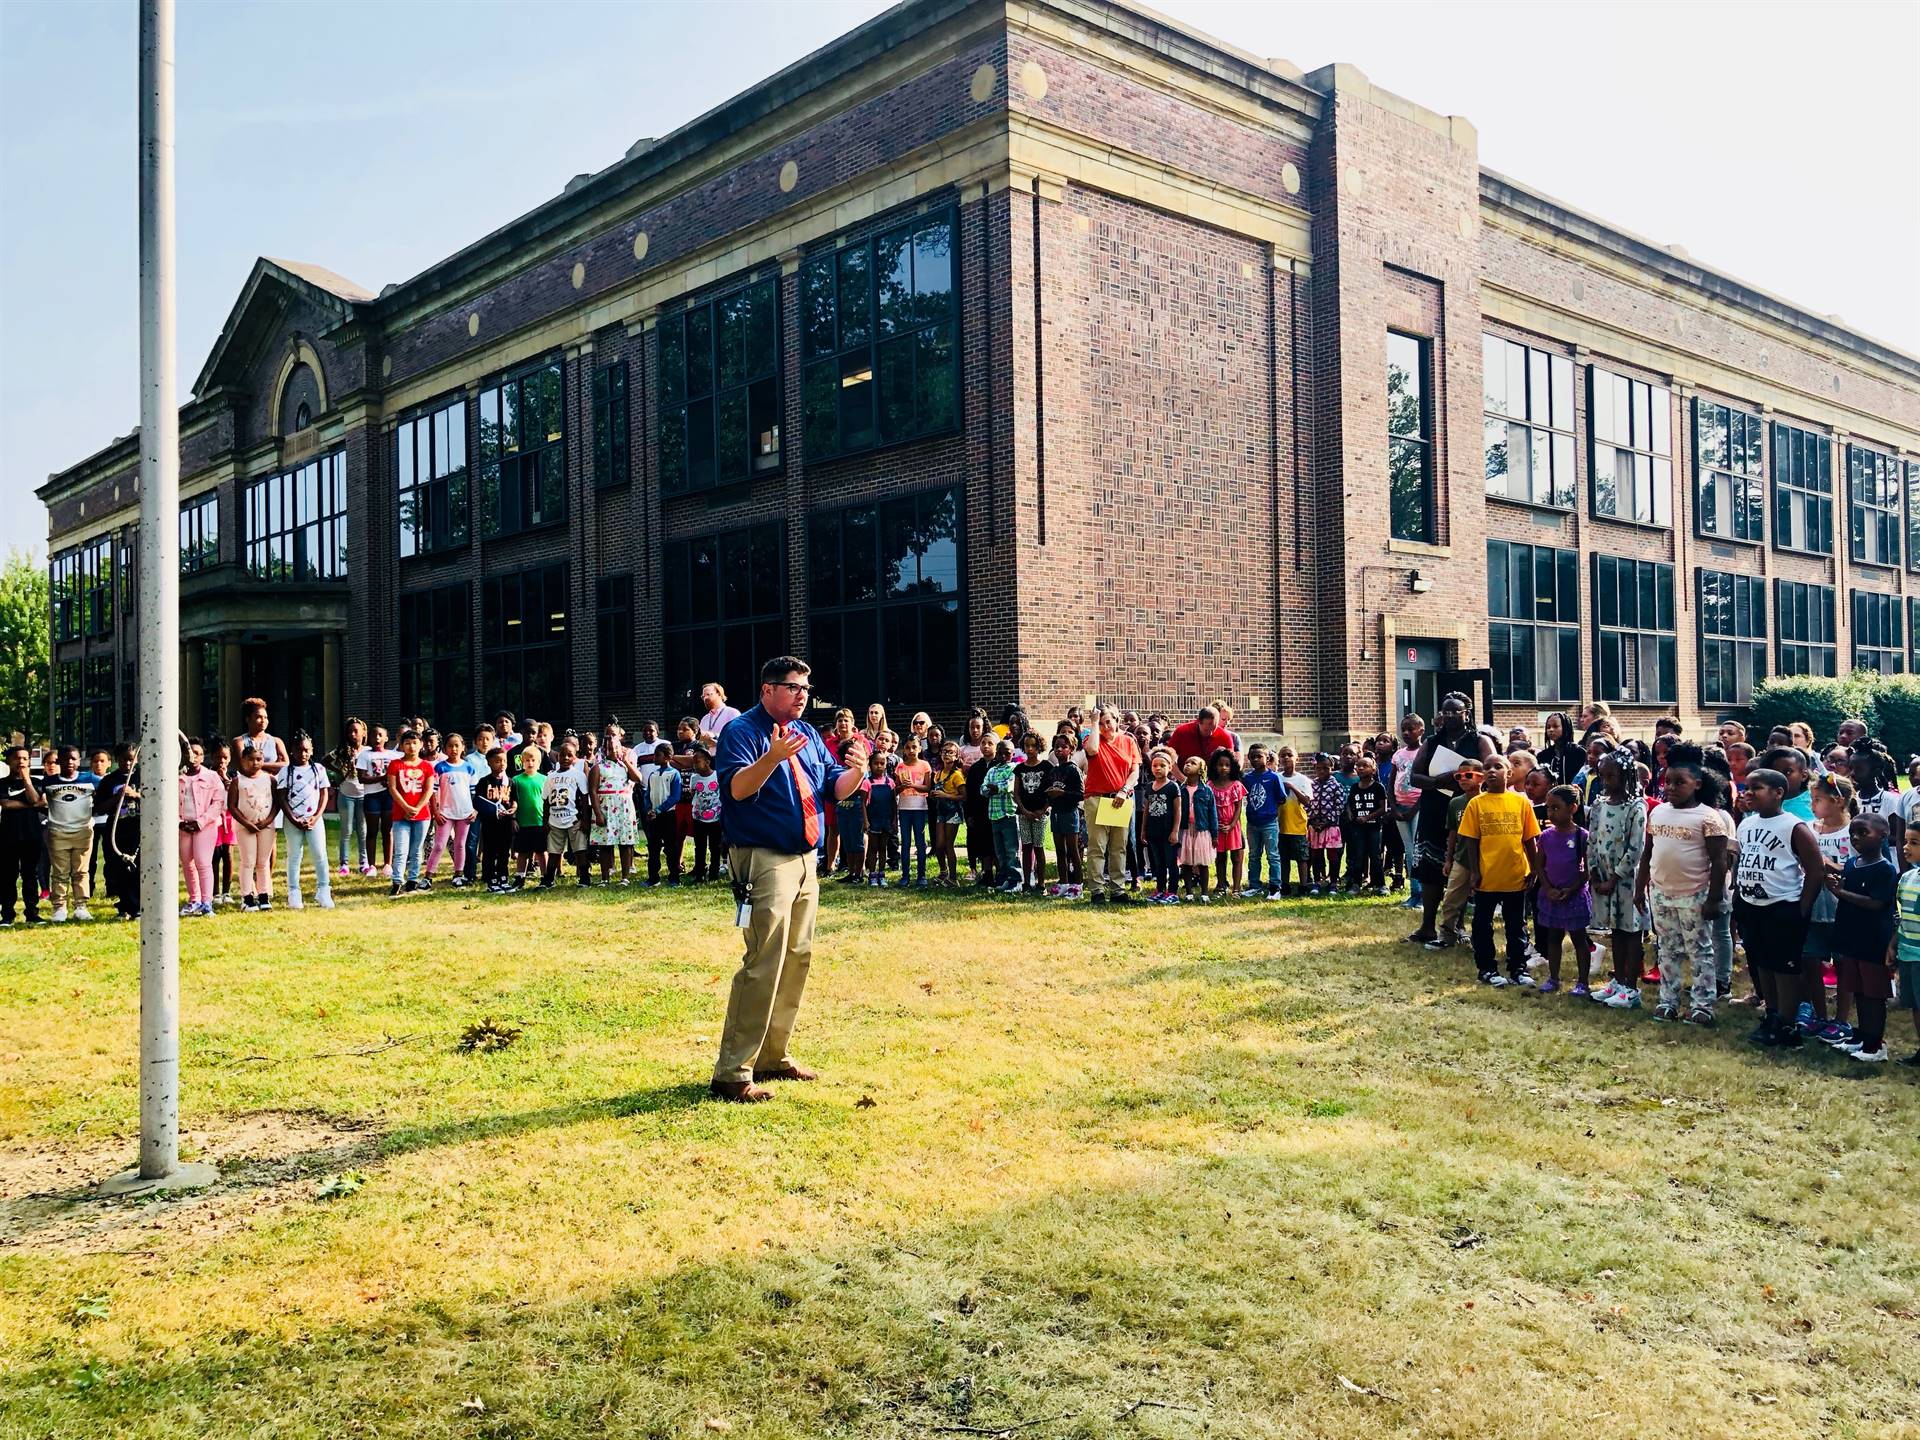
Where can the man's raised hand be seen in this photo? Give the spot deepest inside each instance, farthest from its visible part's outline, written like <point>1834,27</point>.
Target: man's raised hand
<point>786,743</point>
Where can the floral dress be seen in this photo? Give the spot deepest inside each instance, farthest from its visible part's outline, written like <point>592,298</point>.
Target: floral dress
<point>613,787</point>
<point>1228,799</point>
<point>1616,835</point>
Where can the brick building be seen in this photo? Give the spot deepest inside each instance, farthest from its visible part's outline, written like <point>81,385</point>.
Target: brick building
<point>1020,351</point>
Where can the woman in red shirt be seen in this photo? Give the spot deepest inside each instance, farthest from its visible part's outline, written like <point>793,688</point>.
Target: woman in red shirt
<point>1113,770</point>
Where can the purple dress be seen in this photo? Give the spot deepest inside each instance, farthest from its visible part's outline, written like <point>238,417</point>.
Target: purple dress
<point>1561,852</point>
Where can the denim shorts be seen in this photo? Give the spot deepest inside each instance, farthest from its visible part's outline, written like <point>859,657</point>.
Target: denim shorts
<point>376,805</point>
<point>944,811</point>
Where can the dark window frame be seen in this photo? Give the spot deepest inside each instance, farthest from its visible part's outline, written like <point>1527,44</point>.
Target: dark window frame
<point>1729,445</point>
<point>199,532</point>
<point>843,336</point>
<point>523,477</point>
<point>67,703</point>
<point>1651,441</point>
<point>63,589</point>
<point>1412,502</point>
<point>863,602</point>
<point>1654,646</point>
<point>1548,384</point>
<point>612,453</point>
<point>722,378</point>
<point>1873,506</point>
<point>1733,636</point>
<point>614,635</point>
<point>1794,451</point>
<point>508,642</point>
<point>432,479</point>
<point>718,621</point>
<point>1877,642</point>
<point>97,585</point>
<point>284,533</point>
<point>1806,640</point>
<point>1521,638</point>
<point>436,652</point>
<point>1913,516</point>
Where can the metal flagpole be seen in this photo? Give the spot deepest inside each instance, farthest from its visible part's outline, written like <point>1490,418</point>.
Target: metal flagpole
<point>159,618</point>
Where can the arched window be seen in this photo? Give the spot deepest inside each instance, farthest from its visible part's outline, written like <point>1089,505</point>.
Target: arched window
<point>302,417</point>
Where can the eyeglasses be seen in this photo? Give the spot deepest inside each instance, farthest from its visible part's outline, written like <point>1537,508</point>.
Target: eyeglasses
<point>801,691</point>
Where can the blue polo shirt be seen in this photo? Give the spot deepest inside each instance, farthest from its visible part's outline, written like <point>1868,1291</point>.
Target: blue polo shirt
<point>772,819</point>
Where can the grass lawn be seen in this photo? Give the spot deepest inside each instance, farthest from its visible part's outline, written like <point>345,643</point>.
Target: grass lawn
<point>1254,1170</point>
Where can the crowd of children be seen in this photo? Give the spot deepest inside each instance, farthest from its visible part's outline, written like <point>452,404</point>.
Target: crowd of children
<point>1653,861</point>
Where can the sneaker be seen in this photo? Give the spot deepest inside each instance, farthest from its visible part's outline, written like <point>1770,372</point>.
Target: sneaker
<point>1099,898</point>
<point>426,882</point>
<point>1548,986</point>
<point>1912,1062</point>
<point>1870,1057</point>
<point>263,903</point>
<point>459,882</point>
<point>1441,942</point>
<point>59,914</point>
<point>879,882</point>
<point>246,902</point>
<point>1580,992</point>
<point>294,902</point>
<point>549,884</point>
<point>1525,980</point>
<point>1765,1033</point>
<point>1788,1037</point>
<point>1666,1012</point>
<point>1493,979</point>
<point>1835,1033</point>
<point>1626,999</point>
<point>367,871</point>
<point>1700,1017</point>
<point>80,913</point>
<point>1606,992</point>
<point>393,890</point>
<point>1274,892</point>
<point>1252,892</point>
<point>188,908</point>
<point>1650,976</point>
<point>324,900</point>
<point>1803,1020</point>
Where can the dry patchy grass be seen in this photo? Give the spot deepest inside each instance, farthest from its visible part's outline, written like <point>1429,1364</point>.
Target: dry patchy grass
<point>1251,1167</point>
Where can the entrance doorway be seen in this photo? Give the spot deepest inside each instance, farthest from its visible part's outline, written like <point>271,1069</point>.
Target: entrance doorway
<point>287,676</point>
<point>1417,670</point>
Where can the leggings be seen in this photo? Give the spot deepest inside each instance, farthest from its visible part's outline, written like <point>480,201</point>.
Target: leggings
<point>223,868</point>
<point>913,836</point>
<point>1163,854</point>
<point>709,848</point>
<point>196,863</point>
<point>256,859</point>
<point>443,829</point>
<point>353,826</point>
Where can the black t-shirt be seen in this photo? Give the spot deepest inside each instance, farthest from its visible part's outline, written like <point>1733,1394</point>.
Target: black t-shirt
<point>1369,803</point>
<point>1065,774</point>
<point>17,824</point>
<point>1163,806</point>
<point>1030,781</point>
<point>1860,933</point>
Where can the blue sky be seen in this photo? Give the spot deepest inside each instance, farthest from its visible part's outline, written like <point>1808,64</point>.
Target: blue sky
<point>376,138</point>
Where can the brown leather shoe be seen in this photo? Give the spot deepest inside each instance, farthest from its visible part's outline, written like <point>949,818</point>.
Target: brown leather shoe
<point>739,1092</point>
<point>789,1071</point>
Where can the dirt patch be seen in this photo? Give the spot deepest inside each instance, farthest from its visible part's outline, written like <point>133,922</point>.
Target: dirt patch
<point>266,1159</point>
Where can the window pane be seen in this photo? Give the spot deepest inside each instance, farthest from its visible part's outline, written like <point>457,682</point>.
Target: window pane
<point>821,406</point>
<point>1493,374</point>
<point>856,293</point>
<point>817,308</point>
<point>936,381</point>
<point>893,282</point>
<point>699,351</point>
<point>1497,589</point>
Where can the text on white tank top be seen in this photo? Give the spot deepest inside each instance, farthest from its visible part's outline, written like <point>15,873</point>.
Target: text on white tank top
<point>1770,873</point>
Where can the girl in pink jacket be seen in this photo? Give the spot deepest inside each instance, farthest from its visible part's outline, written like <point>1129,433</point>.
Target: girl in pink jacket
<point>203,804</point>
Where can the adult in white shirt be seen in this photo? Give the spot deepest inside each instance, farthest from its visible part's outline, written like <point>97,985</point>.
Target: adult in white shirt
<point>715,713</point>
<point>253,736</point>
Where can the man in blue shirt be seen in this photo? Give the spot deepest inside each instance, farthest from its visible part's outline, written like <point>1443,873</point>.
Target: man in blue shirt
<point>777,778</point>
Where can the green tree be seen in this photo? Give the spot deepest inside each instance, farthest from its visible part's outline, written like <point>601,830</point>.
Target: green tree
<point>24,644</point>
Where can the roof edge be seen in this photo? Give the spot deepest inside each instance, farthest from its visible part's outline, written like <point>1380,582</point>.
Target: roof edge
<point>1508,193</point>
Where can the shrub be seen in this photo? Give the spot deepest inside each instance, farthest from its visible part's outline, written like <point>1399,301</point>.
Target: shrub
<point>1896,707</point>
<point>1823,703</point>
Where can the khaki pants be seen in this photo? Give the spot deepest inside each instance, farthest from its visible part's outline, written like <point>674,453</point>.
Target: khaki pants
<point>1106,863</point>
<point>67,862</point>
<point>1453,901</point>
<point>784,892</point>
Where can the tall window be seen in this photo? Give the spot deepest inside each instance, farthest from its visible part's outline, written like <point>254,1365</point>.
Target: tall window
<point>1873,505</point>
<point>436,650</point>
<point>613,614</point>
<point>1634,646</point>
<point>720,389</point>
<point>67,710</point>
<point>430,470</point>
<point>1529,423</point>
<point>63,579</point>
<point>296,522</point>
<point>1803,618</point>
<point>1533,595</point>
<point>97,585</point>
<point>1802,490</point>
<point>886,598</point>
<point>877,325</point>
<point>1729,468</point>
<point>1913,634</point>
<point>724,605</point>
<point>1913,515</point>
<point>523,456</point>
<point>1876,633</point>
<point>1733,636</point>
<point>199,532</point>
<point>1632,425</point>
<point>96,726</point>
<point>523,638</point>
<point>1409,437</point>
<point>612,460</point>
